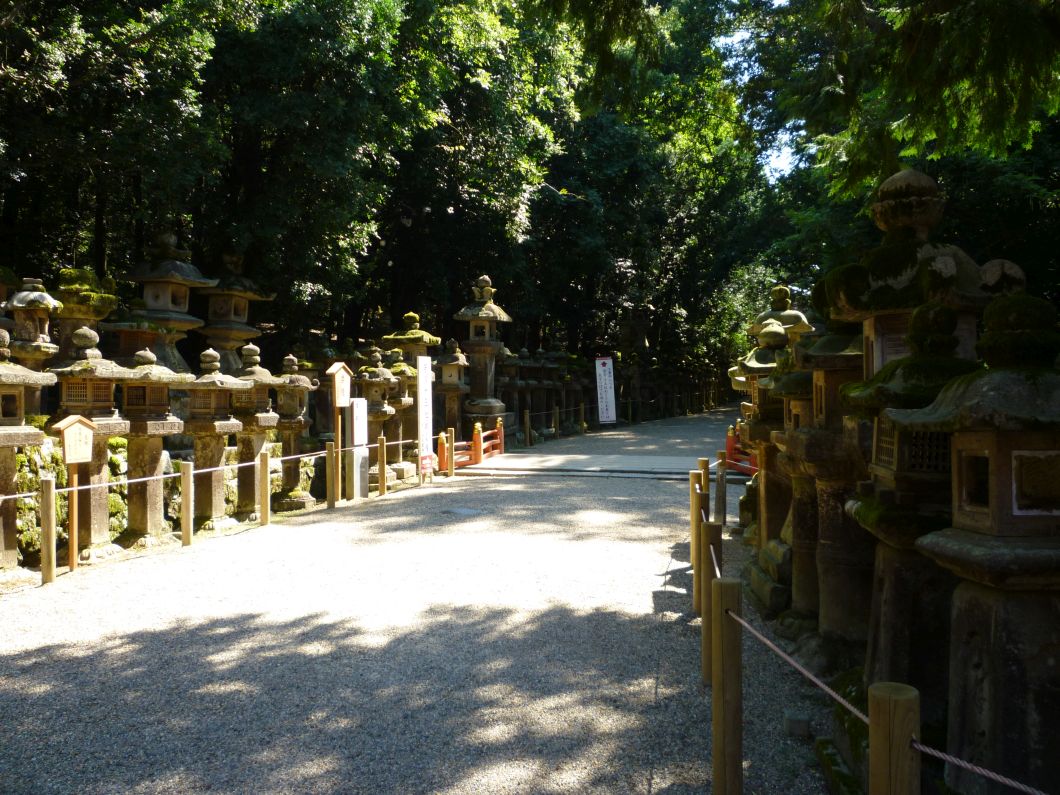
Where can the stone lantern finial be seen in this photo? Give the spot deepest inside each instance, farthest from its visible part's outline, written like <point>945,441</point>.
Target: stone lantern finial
<point>909,200</point>
<point>85,341</point>
<point>209,361</point>
<point>144,357</point>
<point>290,364</point>
<point>250,354</point>
<point>483,290</point>
<point>412,320</point>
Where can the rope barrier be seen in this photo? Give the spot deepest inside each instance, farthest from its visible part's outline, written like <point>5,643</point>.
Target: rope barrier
<point>982,771</point>
<point>317,454</point>
<point>19,496</point>
<point>109,483</point>
<point>227,466</point>
<point>797,666</point>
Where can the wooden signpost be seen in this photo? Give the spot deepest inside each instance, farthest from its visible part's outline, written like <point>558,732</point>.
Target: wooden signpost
<point>77,433</point>
<point>341,376</point>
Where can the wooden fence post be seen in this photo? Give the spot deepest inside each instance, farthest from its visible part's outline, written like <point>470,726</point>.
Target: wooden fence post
<point>72,527</point>
<point>704,484</point>
<point>894,721</point>
<point>443,450</point>
<point>500,435</point>
<point>451,460</point>
<point>476,444</point>
<point>581,418</point>
<point>528,429</point>
<point>709,537</point>
<point>382,465</point>
<point>264,489</point>
<point>47,529</point>
<point>329,469</point>
<point>693,538</point>
<point>555,421</point>
<point>726,689</point>
<point>187,502</point>
<point>721,504</point>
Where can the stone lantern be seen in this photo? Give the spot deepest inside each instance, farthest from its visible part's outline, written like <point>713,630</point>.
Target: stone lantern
<point>164,320</point>
<point>88,390</point>
<point>482,347</point>
<point>375,383</point>
<point>226,326</point>
<point>253,409</point>
<point>452,365</point>
<point>1003,545</point>
<point>31,344</point>
<point>413,340</point>
<point>403,424</point>
<point>210,422</point>
<point>86,300</point>
<point>15,381</point>
<point>145,400</point>
<point>292,400</point>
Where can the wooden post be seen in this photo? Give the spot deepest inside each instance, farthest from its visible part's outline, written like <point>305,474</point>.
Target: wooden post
<point>329,470</point>
<point>451,461</point>
<point>476,444</point>
<point>693,538</point>
<point>726,689</point>
<point>264,489</point>
<point>500,435</point>
<point>527,429</point>
<point>555,421</point>
<point>709,537</point>
<point>73,542</point>
<point>338,453</point>
<point>443,452</point>
<point>47,529</point>
<point>721,505</point>
<point>581,418</point>
<point>704,484</point>
<point>187,502</point>
<point>894,722</point>
<point>382,465</point>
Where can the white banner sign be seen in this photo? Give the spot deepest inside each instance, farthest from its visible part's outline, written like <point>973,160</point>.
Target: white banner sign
<point>605,389</point>
<point>360,421</point>
<point>425,413</point>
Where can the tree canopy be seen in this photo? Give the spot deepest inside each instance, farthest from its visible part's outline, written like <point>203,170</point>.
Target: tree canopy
<point>607,162</point>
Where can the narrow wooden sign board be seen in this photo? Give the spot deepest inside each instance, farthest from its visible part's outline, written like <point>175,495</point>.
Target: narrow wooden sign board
<point>341,376</point>
<point>76,432</point>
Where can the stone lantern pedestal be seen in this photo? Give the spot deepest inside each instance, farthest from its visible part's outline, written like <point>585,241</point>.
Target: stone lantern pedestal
<point>291,403</point>
<point>88,389</point>
<point>209,424</point>
<point>146,404</point>
<point>15,381</point>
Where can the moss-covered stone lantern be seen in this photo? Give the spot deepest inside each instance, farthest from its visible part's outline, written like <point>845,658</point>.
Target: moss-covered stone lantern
<point>145,401</point>
<point>403,425</point>
<point>292,400</point>
<point>375,383</point>
<point>15,380</point>
<point>482,346</point>
<point>253,408</point>
<point>210,422</point>
<point>88,390</point>
<point>413,340</point>
<point>86,300</point>
<point>1003,545</point>
<point>31,344</point>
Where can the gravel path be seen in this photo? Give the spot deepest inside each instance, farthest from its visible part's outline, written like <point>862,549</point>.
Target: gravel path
<point>484,635</point>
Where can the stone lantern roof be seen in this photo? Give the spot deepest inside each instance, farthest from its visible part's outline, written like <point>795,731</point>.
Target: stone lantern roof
<point>793,321</point>
<point>412,333</point>
<point>167,265</point>
<point>237,284</point>
<point>32,295</point>
<point>293,379</point>
<point>89,362</point>
<point>482,307</point>
<point>12,374</point>
<point>1020,390</point>
<point>252,370</point>
<point>453,354</point>
<point>148,371</point>
<point>762,361</point>
<point>212,378</point>
<point>397,364</point>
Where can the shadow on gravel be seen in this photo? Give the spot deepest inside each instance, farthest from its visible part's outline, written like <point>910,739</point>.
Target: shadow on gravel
<point>474,700</point>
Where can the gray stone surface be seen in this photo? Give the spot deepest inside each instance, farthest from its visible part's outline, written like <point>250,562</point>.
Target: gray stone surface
<point>505,635</point>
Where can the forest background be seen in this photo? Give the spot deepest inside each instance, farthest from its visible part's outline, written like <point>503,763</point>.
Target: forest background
<point>611,164</point>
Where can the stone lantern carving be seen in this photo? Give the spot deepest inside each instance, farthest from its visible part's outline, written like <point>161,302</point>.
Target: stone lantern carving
<point>31,344</point>
<point>453,365</point>
<point>253,409</point>
<point>229,305</point>
<point>164,320</point>
<point>482,346</point>
<point>88,389</point>
<point>145,400</point>
<point>1003,545</point>
<point>292,400</point>
<point>15,381</point>
<point>210,421</point>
